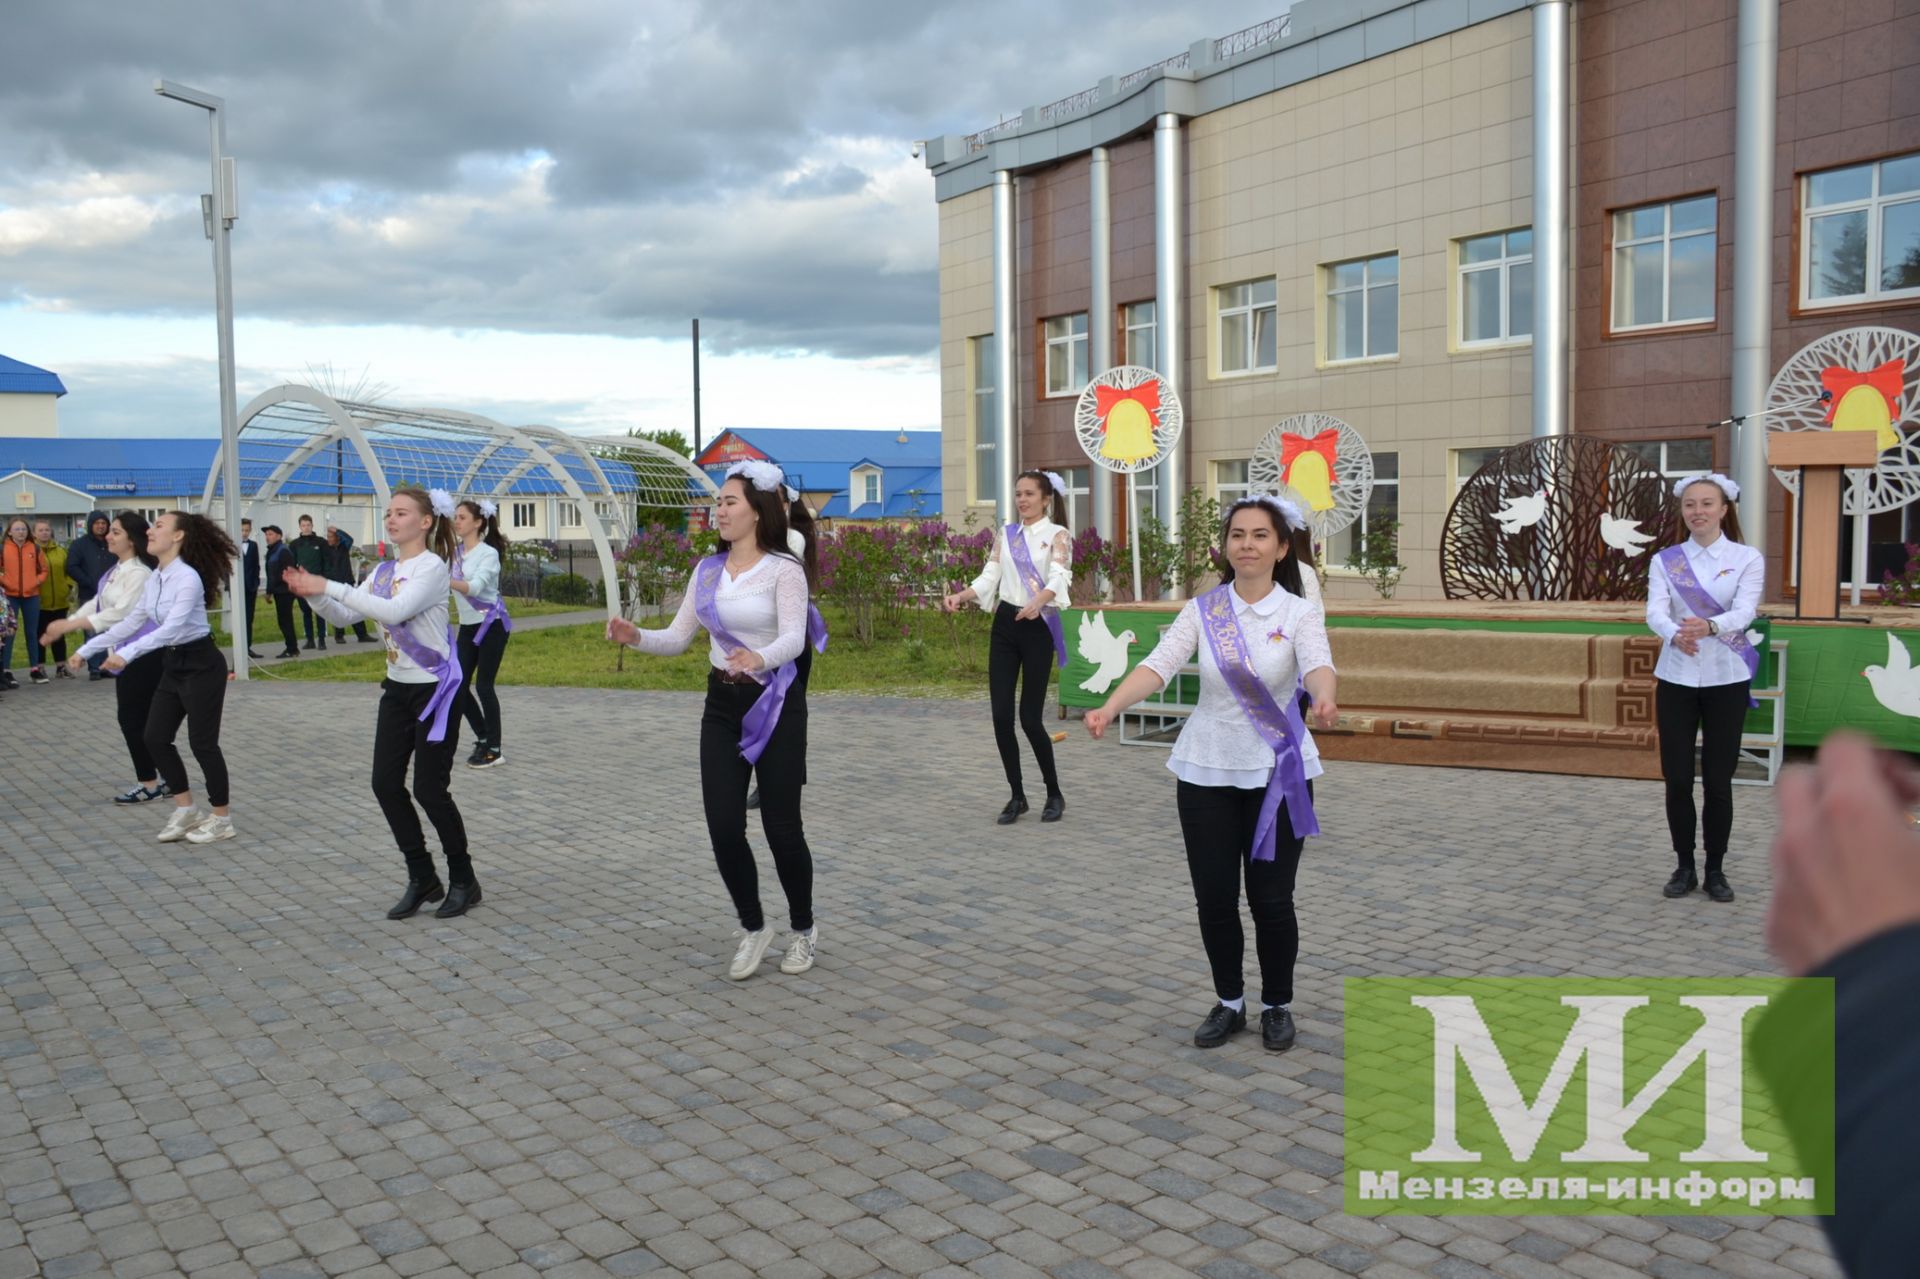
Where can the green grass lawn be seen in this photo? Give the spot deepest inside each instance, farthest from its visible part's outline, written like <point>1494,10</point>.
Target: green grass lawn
<point>949,659</point>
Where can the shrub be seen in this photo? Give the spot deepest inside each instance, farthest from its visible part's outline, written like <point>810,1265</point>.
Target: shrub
<point>567,588</point>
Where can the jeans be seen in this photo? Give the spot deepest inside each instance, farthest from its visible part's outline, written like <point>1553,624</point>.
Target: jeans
<point>26,610</point>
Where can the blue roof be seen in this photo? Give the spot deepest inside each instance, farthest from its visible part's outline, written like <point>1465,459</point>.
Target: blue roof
<point>818,460</point>
<point>904,494</point>
<point>17,378</point>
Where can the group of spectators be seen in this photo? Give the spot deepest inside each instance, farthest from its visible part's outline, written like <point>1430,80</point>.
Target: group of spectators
<point>330,557</point>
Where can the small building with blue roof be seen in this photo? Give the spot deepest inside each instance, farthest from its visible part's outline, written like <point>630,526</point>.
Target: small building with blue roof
<point>843,474</point>
<point>28,397</point>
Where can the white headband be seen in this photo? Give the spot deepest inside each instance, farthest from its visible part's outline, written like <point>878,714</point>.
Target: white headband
<point>1727,486</point>
<point>1059,485</point>
<point>442,502</point>
<point>764,476</point>
<point>1289,513</point>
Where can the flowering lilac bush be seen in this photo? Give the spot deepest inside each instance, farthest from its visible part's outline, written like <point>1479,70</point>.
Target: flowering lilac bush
<point>656,561</point>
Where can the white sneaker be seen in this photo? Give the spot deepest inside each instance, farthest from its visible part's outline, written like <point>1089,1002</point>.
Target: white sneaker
<point>800,952</point>
<point>753,948</point>
<point>214,827</point>
<point>182,821</point>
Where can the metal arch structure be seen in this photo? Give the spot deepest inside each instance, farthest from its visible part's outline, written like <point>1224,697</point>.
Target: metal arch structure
<point>297,442</point>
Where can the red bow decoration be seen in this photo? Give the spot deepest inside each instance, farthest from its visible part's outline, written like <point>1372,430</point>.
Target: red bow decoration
<point>1147,394</point>
<point>1889,379</point>
<point>1326,444</point>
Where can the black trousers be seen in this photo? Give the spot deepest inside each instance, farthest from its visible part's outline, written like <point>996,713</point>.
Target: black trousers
<point>306,616</point>
<point>1719,715</point>
<point>478,665</point>
<point>399,735</point>
<point>57,649</point>
<point>283,613</point>
<point>1016,649</point>
<point>133,691</point>
<point>782,772</point>
<point>192,687</point>
<point>340,632</point>
<point>253,602</point>
<point>1218,823</point>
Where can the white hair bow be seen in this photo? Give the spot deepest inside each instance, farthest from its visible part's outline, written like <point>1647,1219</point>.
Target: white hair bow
<point>1289,512</point>
<point>1727,486</point>
<point>442,502</point>
<point>764,476</point>
<point>487,508</point>
<point>1059,485</point>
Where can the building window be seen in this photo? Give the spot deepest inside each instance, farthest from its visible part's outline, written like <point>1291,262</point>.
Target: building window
<point>1363,308</point>
<point>1079,497</point>
<point>1860,233</point>
<point>986,421</point>
<point>523,514</point>
<point>1066,353</point>
<point>1139,335</point>
<point>1247,312</point>
<point>1466,462</point>
<point>870,487</point>
<point>1663,265</point>
<point>152,514</point>
<point>1383,508</point>
<point>1146,491</point>
<point>1230,481</point>
<point>1675,458</point>
<point>570,515</point>
<point>1496,288</point>
<point>603,509</point>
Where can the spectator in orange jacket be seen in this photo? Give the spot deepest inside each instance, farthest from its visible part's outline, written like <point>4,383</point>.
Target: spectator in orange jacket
<point>23,568</point>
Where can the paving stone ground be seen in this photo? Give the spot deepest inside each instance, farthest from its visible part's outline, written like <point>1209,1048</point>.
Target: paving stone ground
<point>225,1061</point>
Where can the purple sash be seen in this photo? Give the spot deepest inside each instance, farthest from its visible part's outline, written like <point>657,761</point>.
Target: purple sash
<point>1694,596</point>
<point>757,725</point>
<point>1030,578</point>
<point>444,669</point>
<point>1279,724</point>
<point>491,610</point>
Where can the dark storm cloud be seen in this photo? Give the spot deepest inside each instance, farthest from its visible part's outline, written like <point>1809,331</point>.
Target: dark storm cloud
<point>563,166</point>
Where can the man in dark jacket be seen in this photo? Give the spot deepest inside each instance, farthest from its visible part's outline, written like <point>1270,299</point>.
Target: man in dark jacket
<point>340,569</point>
<point>279,560</point>
<point>250,577</point>
<point>310,553</point>
<point>88,560</point>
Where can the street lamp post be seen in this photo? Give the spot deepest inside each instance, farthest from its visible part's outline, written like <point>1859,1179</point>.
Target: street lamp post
<point>219,211</point>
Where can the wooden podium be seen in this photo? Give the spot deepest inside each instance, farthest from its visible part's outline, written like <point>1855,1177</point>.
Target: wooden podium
<point>1823,457</point>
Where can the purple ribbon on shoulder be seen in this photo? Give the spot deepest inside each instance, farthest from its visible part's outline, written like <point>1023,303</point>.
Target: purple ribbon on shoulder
<point>491,611</point>
<point>1030,578</point>
<point>444,668</point>
<point>757,725</point>
<point>1279,724</point>
<point>1696,597</point>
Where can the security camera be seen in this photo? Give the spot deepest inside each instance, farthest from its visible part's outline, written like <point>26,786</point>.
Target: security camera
<point>916,150</point>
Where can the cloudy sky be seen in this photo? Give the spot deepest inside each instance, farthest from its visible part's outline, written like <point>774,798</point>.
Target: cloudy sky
<point>513,206</point>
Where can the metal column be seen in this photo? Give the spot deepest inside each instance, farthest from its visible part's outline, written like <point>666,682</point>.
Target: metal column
<point>1753,129</point>
<point>1006,262</point>
<point>1551,91</point>
<point>1170,289</point>
<point>1100,315</point>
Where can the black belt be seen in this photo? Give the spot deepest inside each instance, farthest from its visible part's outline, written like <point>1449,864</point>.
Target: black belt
<point>731,677</point>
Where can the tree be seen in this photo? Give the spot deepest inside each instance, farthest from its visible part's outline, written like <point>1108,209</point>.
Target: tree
<point>671,438</point>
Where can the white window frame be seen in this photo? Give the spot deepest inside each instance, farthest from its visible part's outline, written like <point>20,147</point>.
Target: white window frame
<point>869,487</point>
<point>1079,496</point>
<point>1228,491</point>
<point>985,420</point>
<point>1366,288</point>
<point>1132,327</point>
<point>570,515</point>
<point>1460,474</point>
<point>1354,532</point>
<point>1070,341</point>
<point>1874,206</point>
<point>529,510</point>
<point>1666,240</point>
<point>1251,309</point>
<point>1504,265</point>
<point>1661,461</point>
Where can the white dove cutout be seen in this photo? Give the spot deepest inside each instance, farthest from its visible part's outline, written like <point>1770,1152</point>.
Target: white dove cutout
<point>1107,652</point>
<point>1522,512</point>
<point>1895,685</point>
<point>1623,535</point>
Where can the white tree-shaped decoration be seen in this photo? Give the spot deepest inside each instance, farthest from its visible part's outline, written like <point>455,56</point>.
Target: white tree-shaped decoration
<point>1865,378</point>
<point>1350,475</point>
<point>1127,420</point>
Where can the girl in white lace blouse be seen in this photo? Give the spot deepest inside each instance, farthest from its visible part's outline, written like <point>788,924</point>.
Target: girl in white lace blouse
<point>1024,584</point>
<point>1244,756</point>
<point>753,600</point>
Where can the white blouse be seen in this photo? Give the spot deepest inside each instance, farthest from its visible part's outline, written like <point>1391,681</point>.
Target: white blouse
<point>1218,745</point>
<point>1735,576</point>
<point>119,590</point>
<point>1051,548</point>
<point>480,569</point>
<point>174,599</point>
<point>764,608</point>
<point>418,602</point>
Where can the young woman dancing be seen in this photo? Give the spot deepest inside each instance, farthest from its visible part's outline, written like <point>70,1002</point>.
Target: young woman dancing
<point>478,548</point>
<point>1701,594</point>
<point>193,557</point>
<point>1028,639</point>
<point>752,599</point>
<point>1244,757</point>
<point>407,595</point>
<point>119,589</point>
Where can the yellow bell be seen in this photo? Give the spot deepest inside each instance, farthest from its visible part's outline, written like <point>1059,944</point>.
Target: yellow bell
<point>1310,477</point>
<point>1864,409</point>
<point>1129,436</point>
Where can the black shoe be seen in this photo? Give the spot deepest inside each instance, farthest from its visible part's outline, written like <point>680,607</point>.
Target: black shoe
<point>94,675</point>
<point>1011,813</point>
<point>309,646</point>
<point>419,893</point>
<point>1276,1029</point>
<point>288,652</point>
<point>323,644</point>
<point>479,753</point>
<point>1056,805</point>
<point>459,897</point>
<point>1683,882</point>
<point>142,794</point>
<point>368,639</point>
<point>753,798</point>
<point>255,656</point>
<point>1221,1023</point>
<point>7,681</point>
<point>38,676</point>
<point>1718,888</point>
